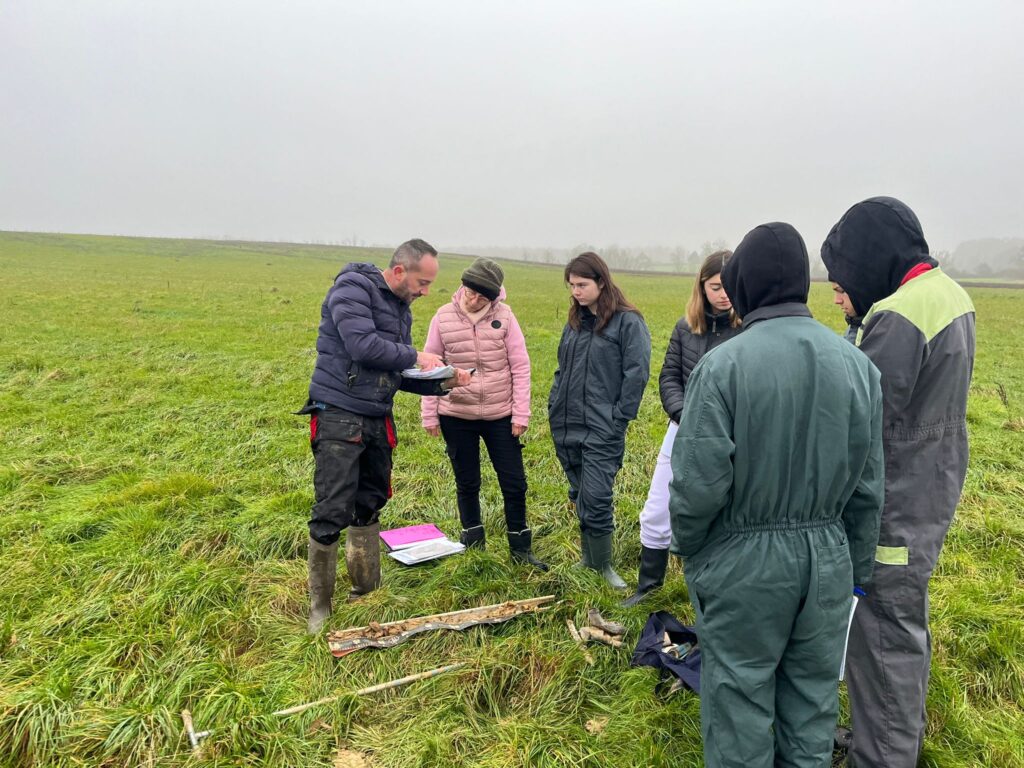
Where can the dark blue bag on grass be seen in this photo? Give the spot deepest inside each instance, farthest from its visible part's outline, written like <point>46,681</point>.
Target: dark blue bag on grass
<point>649,651</point>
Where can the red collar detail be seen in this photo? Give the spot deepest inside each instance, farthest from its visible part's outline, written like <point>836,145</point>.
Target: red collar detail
<point>920,269</point>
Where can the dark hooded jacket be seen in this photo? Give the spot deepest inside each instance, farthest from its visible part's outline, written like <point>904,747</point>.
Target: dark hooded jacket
<point>774,502</point>
<point>780,431</point>
<point>685,349</point>
<point>601,375</point>
<point>364,342</point>
<point>872,248</point>
<point>852,328</point>
<point>920,335</point>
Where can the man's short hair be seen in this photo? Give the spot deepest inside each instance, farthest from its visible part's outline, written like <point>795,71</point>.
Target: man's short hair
<point>409,253</point>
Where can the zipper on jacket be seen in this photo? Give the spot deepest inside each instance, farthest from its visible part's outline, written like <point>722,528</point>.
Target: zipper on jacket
<point>586,376</point>
<point>568,380</point>
<point>479,367</point>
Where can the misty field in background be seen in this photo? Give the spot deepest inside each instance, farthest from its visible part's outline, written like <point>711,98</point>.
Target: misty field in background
<point>154,489</point>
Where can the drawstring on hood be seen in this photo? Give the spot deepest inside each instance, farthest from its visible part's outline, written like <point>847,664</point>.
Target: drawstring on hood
<point>769,267</point>
<point>872,248</point>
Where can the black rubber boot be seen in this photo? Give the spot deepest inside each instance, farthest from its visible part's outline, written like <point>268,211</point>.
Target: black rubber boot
<point>474,538</point>
<point>653,564</point>
<point>362,556</point>
<point>519,549</point>
<point>323,570</point>
<point>600,549</point>
<point>842,742</point>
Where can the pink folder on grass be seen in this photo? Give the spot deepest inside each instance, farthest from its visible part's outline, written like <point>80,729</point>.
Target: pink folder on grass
<point>399,538</point>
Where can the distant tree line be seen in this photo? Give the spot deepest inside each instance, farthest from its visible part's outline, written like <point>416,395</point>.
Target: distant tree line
<point>988,257</point>
<point>992,258</point>
<point>678,259</point>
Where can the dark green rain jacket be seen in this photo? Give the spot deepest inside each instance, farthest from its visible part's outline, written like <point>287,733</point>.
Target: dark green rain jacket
<point>601,377</point>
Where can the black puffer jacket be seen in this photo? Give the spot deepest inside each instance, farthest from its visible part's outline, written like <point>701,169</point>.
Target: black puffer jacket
<point>363,345</point>
<point>685,349</point>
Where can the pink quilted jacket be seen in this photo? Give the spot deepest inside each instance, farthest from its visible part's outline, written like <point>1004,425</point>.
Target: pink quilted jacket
<point>495,346</point>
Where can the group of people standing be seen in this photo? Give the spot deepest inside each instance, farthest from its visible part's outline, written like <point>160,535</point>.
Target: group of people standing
<point>796,471</point>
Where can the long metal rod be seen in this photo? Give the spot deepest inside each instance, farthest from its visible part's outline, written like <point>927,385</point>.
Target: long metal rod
<point>339,634</point>
<point>195,738</point>
<point>372,689</point>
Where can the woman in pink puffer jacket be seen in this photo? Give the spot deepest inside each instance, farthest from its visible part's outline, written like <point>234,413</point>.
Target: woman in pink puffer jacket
<point>477,330</point>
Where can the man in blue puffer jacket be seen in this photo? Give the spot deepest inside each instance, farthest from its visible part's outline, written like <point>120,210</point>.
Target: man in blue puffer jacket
<point>363,345</point>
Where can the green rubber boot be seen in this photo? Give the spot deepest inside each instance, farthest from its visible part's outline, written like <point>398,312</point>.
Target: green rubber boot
<point>362,557</point>
<point>600,548</point>
<point>323,569</point>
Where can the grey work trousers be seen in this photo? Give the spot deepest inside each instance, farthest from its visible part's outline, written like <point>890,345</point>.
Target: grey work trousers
<point>890,650</point>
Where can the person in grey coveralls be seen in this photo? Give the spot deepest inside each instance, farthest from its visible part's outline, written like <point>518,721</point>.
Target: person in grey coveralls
<point>918,329</point>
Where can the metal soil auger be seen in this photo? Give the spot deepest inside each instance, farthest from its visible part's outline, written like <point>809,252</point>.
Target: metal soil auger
<point>390,634</point>
<point>195,738</point>
<point>345,641</point>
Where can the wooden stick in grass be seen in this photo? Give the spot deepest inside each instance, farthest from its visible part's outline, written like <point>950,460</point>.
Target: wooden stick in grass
<point>579,641</point>
<point>593,633</point>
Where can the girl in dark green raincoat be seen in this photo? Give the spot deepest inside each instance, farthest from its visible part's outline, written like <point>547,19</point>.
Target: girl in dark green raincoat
<point>604,360</point>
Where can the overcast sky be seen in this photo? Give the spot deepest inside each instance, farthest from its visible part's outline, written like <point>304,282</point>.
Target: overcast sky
<point>528,123</point>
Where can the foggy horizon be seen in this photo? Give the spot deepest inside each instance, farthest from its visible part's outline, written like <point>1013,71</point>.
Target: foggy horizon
<point>535,126</point>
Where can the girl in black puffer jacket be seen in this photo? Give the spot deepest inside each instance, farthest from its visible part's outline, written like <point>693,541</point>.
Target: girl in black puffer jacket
<point>709,320</point>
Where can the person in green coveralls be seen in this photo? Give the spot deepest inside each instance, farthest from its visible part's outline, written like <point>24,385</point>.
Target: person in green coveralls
<point>775,502</point>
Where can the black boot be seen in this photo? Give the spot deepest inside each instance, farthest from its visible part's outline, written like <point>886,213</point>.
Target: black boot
<point>323,568</point>
<point>362,557</point>
<point>600,551</point>
<point>653,564</point>
<point>473,537</point>
<point>519,549</point>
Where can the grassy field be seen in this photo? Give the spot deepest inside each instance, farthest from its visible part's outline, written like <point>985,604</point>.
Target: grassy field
<point>154,489</point>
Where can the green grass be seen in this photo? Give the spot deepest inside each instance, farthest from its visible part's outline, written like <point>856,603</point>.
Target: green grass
<point>154,489</point>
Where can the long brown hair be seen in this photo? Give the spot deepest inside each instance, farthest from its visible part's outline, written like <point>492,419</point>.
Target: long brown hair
<point>698,304</point>
<point>611,299</point>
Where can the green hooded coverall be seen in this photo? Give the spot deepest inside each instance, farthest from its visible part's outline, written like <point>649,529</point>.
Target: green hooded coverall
<point>775,501</point>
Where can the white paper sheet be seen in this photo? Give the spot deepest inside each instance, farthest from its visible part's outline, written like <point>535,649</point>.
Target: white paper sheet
<point>846,644</point>
<point>427,550</point>
<point>444,372</point>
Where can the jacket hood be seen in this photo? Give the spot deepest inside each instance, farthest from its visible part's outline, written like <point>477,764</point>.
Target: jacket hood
<point>371,271</point>
<point>768,267</point>
<point>871,249</point>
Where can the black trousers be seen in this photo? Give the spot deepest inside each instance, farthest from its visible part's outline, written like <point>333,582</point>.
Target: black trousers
<point>591,461</point>
<point>352,472</point>
<point>462,437</point>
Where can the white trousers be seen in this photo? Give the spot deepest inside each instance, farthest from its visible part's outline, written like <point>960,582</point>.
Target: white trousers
<point>655,529</point>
